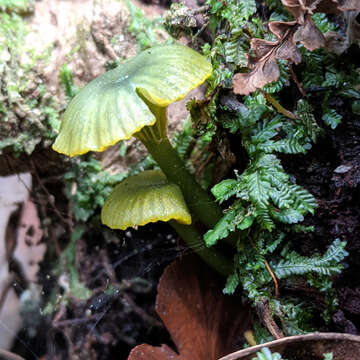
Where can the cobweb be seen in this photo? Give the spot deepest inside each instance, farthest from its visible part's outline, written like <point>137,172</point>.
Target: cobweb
<point>120,269</point>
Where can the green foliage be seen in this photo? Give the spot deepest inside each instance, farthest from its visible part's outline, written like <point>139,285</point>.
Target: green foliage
<point>264,190</point>
<point>289,263</point>
<point>235,218</point>
<point>18,6</point>
<point>142,28</point>
<point>233,11</point>
<point>323,23</point>
<point>326,265</point>
<point>335,80</point>
<point>87,186</point>
<point>184,138</point>
<point>265,354</point>
<point>265,198</point>
<point>263,205</point>
<point>331,118</point>
<point>251,273</point>
<point>306,123</point>
<point>232,46</point>
<point>12,33</point>
<point>295,317</point>
<point>67,82</point>
<point>261,334</point>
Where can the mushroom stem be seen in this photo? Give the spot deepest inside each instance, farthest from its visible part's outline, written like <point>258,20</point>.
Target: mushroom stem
<point>200,203</point>
<point>194,240</point>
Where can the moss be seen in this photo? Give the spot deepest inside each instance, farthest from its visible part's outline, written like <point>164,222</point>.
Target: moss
<point>28,113</point>
<point>17,6</point>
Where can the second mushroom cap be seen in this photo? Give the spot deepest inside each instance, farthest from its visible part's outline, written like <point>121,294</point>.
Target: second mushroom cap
<point>143,198</point>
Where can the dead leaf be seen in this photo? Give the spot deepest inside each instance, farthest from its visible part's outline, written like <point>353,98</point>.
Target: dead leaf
<point>337,6</point>
<point>336,43</point>
<point>353,26</point>
<point>148,352</point>
<point>204,323</point>
<point>309,35</point>
<point>264,66</point>
<point>265,72</point>
<point>300,8</point>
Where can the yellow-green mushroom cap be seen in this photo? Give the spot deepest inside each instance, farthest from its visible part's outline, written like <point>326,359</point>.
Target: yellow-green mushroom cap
<point>143,198</point>
<point>109,108</point>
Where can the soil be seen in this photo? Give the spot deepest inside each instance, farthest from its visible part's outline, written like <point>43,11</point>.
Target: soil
<point>109,324</point>
<point>331,172</point>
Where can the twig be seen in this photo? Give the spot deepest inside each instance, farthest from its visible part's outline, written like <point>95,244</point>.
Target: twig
<point>296,81</point>
<point>138,310</point>
<point>200,10</point>
<point>278,106</point>
<point>71,322</point>
<point>265,316</point>
<point>273,277</point>
<point>268,268</point>
<point>59,315</point>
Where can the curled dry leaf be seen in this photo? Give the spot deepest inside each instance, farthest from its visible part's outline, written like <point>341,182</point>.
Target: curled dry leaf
<point>264,66</point>
<point>337,6</point>
<point>300,8</point>
<point>353,26</point>
<point>336,43</point>
<point>309,35</point>
<point>204,323</point>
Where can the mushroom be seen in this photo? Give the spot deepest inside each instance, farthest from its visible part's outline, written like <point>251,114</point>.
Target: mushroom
<point>144,198</point>
<point>151,197</point>
<point>132,100</point>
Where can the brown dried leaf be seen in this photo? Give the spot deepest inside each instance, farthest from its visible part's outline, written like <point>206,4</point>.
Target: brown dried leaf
<point>203,322</point>
<point>353,27</point>
<point>148,352</point>
<point>264,73</point>
<point>264,66</point>
<point>337,6</point>
<point>345,5</point>
<point>309,35</point>
<point>286,49</point>
<point>300,8</point>
<point>335,43</point>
